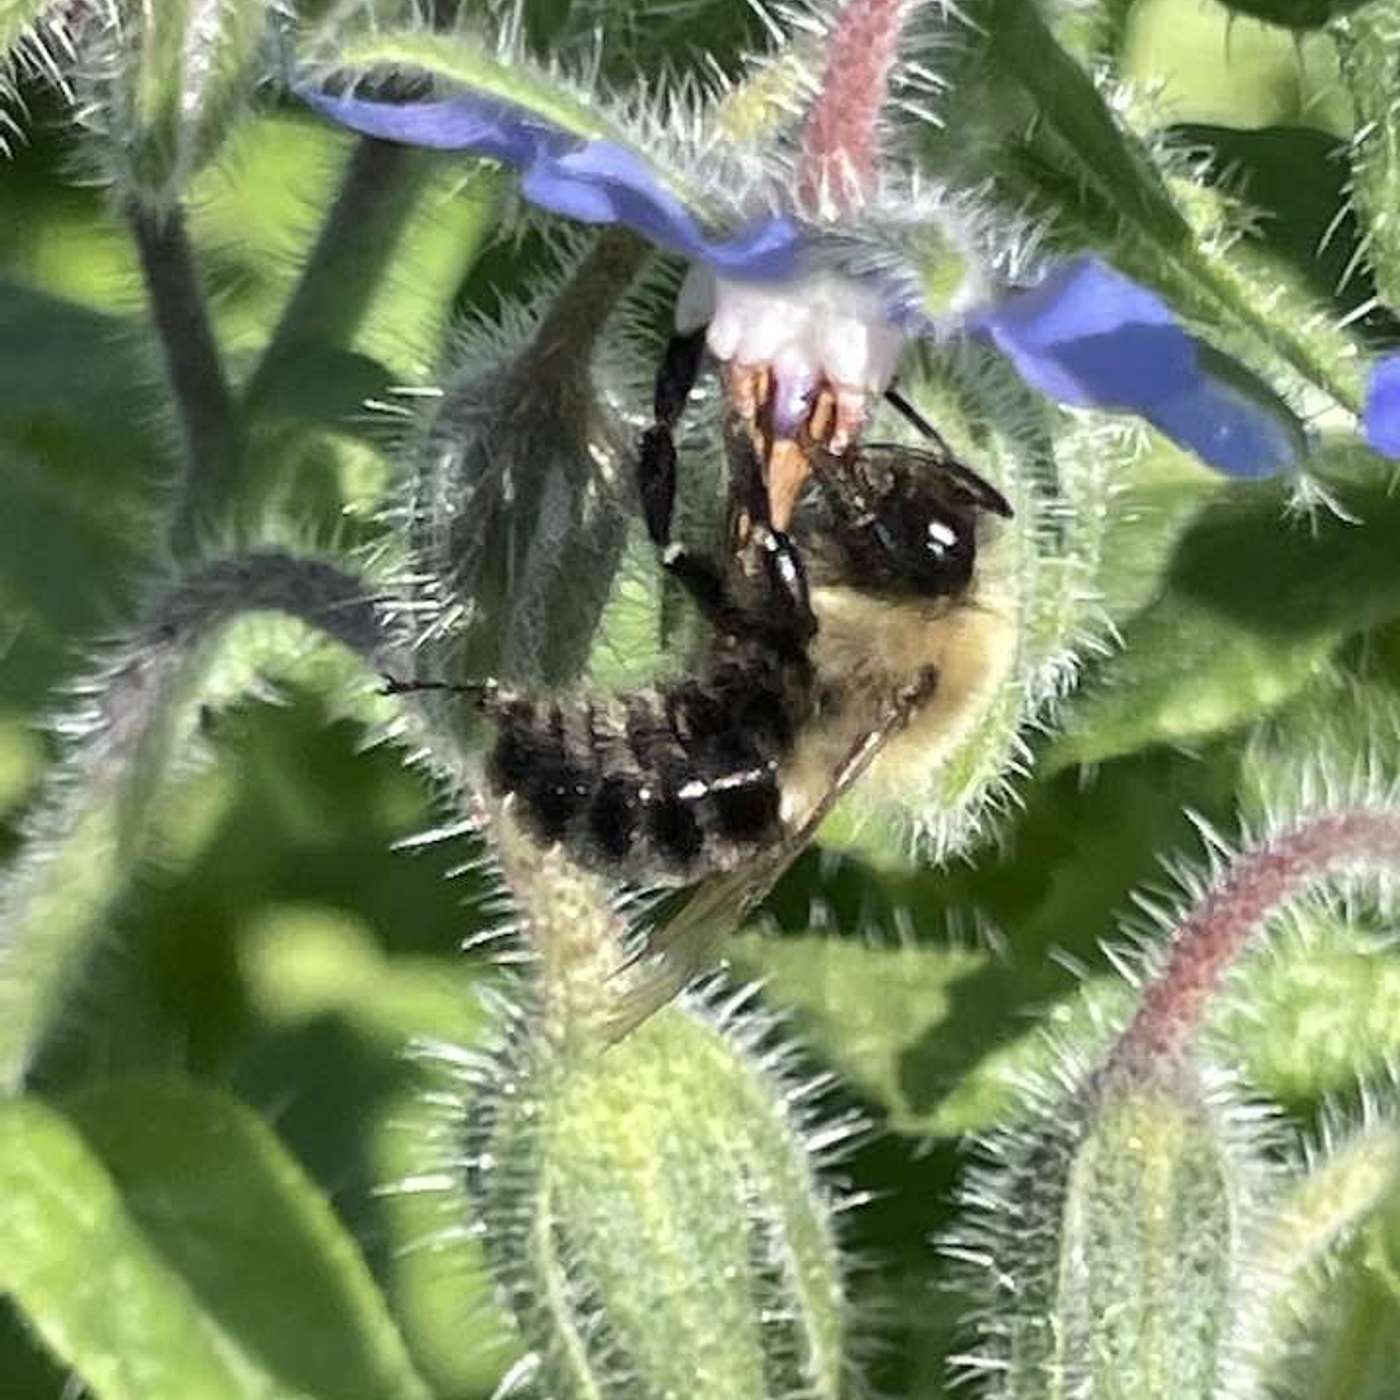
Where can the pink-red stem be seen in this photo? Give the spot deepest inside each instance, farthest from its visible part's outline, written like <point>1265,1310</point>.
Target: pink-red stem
<point>840,140</point>
<point>1207,943</point>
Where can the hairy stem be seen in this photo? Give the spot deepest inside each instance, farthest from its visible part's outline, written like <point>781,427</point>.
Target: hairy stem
<point>208,418</point>
<point>840,138</point>
<point>574,930</point>
<point>141,710</point>
<point>578,314</point>
<point>1208,942</point>
<point>358,240</point>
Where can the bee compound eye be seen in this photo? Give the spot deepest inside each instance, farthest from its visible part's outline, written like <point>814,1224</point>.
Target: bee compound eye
<point>942,538</point>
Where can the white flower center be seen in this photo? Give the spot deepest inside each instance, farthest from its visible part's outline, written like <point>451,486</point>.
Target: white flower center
<point>822,328</point>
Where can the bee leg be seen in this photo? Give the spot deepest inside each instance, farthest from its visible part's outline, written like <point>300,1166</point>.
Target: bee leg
<point>787,609</point>
<point>656,459</point>
<point>680,368</point>
<point>784,618</point>
<point>746,474</point>
<point>489,696</point>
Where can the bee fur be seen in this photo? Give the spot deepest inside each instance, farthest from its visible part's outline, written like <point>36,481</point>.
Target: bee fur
<point>874,602</point>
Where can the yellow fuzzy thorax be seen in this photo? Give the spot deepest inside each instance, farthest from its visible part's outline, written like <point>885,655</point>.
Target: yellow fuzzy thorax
<point>870,648</point>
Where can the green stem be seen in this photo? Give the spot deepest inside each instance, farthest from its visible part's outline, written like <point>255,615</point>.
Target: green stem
<point>1368,44</point>
<point>208,418</point>
<point>358,240</point>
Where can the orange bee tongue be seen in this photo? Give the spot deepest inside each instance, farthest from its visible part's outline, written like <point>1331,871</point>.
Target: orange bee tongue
<point>788,468</point>
<point>834,421</point>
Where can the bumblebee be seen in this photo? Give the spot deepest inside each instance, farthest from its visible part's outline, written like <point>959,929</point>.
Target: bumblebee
<point>864,620</point>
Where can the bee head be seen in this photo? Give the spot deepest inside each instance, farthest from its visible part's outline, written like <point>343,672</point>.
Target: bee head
<point>895,519</point>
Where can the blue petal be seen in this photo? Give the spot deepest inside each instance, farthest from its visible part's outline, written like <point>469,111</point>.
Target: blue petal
<point>595,181</point>
<point>1092,338</point>
<point>488,128</point>
<point>1229,430</point>
<point>1381,419</point>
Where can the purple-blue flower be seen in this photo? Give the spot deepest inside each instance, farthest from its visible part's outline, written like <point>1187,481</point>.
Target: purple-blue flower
<point>594,181</point>
<point>1092,338</point>
<point>1086,335</point>
<point>1380,420</point>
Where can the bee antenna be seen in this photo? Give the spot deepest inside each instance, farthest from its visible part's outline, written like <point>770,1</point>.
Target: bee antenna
<point>479,691</point>
<point>901,405</point>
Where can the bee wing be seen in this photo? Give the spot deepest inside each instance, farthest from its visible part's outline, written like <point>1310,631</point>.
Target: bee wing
<point>684,947</point>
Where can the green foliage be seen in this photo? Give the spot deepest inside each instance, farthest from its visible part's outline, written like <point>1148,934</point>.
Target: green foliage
<point>275,1135</point>
<point>234,1276</point>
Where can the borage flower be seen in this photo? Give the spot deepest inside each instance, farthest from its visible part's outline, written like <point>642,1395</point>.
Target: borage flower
<point>808,302</point>
<point>1381,419</point>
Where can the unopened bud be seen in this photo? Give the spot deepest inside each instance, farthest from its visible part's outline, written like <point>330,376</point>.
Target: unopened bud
<point>653,1217</point>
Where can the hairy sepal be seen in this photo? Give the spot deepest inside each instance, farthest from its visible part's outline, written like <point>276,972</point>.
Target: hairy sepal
<point>1132,1238</point>
<point>1061,472</point>
<point>516,499</point>
<point>1102,1244</point>
<point>652,1214</point>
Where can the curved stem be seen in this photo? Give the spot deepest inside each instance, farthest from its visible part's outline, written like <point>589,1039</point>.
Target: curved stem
<point>1239,905</point>
<point>208,417</point>
<point>141,709</point>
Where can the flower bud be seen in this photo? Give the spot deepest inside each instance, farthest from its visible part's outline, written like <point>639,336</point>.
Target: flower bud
<point>652,1216</point>
<point>517,494</point>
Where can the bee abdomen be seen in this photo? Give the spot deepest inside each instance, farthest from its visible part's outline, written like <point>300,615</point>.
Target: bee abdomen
<point>662,783</point>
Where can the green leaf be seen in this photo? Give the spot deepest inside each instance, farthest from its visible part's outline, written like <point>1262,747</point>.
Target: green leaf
<point>1317,1012</point>
<point>363,1116</point>
<point>1369,43</point>
<point>1206,64</point>
<point>959,1020</point>
<point>1357,1355</point>
<point>163,1244</point>
<point>53,551</point>
<point>76,392</point>
<point>1251,608</point>
<point>865,1007</point>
